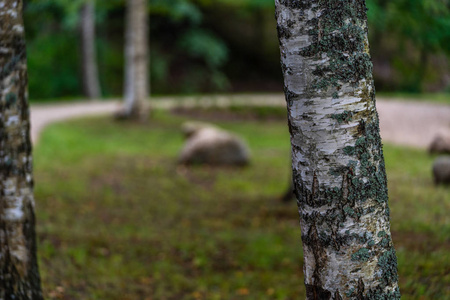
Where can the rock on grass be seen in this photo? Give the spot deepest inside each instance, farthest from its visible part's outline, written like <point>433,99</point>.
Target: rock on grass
<point>207,144</point>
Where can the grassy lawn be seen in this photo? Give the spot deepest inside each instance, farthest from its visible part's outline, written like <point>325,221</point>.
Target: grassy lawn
<point>118,219</point>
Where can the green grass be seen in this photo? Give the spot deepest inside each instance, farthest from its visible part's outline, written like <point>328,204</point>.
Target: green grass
<point>119,219</point>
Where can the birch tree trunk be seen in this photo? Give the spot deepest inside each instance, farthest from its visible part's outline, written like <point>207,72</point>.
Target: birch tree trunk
<point>136,89</point>
<point>19,276</point>
<point>338,164</point>
<point>91,84</point>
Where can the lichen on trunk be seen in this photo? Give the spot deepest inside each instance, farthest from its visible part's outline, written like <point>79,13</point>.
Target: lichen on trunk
<point>19,276</point>
<point>337,158</point>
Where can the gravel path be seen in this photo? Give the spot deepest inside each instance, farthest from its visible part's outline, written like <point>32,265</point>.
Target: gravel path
<point>42,115</point>
<point>402,122</point>
<point>412,123</point>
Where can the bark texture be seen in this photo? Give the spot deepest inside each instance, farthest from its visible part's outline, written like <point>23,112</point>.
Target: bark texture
<point>19,276</point>
<point>136,88</point>
<point>91,84</point>
<point>338,164</point>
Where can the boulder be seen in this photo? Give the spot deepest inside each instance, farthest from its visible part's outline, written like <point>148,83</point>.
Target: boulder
<point>441,170</point>
<point>207,144</point>
<point>440,144</point>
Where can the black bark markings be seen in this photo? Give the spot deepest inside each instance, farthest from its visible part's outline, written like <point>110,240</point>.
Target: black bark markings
<point>337,296</point>
<point>360,291</point>
<point>344,117</point>
<point>315,292</point>
<point>283,32</point>
<point>315,191</point>
<point>10,66</point>
<point>297,4</point>
<point>290,96</point>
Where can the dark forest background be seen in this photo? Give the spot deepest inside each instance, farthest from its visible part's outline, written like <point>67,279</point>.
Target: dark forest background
<point>211,46</point>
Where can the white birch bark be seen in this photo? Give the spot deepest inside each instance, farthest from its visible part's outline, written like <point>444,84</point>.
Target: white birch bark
<point>19,275</point>
<point>337,158</point>
<point>136,89</point>
<point>91,84</point>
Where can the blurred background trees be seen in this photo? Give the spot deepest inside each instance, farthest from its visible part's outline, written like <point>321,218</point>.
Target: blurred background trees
<point>410,42</point>
<point>91,82</point>
<point>89,77</point>
<point>226,46</point>
<point>136,85</point>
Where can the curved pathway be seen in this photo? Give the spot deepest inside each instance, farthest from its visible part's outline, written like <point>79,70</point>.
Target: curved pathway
<point>406,123</point>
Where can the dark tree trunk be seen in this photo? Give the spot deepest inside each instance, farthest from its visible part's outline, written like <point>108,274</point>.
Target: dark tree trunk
<point>19,275</point>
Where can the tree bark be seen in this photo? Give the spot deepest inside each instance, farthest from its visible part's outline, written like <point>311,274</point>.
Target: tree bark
<point>288,194</point>
<point>19,276</point>
<point>337,158</point>
<point>136,88</point>
<point>91,84</point>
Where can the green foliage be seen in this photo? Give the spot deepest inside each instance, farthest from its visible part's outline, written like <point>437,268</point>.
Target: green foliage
<point>177,10</point>
<point>53,68</point>
<point>53,61</point>
<point>204,45</point>
<point>244,4</point>
<point>417,29</point>
<point>67,9</point>
<point>212,45</point>
<point>184,48</point>
<point>185,56</point>
<point>426,23</point>
<point>118,219</point>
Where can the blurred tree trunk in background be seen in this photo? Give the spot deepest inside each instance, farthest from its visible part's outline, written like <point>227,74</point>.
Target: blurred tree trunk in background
<point>91,84</point>
<point>19,275</point>
<point>136,87</point>
<point>338,163</point>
